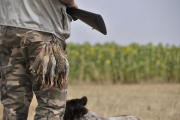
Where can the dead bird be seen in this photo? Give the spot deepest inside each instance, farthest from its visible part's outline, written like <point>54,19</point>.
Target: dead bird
<point>64,65</point>
<point>59,62</point>
<point>45,62</point>
<point>38,73</point>
<point>38,60</point>
<point>52,68</point>
<point>65,77</point>
<point>62,69</point>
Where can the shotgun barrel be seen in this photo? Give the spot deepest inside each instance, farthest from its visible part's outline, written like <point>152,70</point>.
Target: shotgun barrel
<point>92,19</point>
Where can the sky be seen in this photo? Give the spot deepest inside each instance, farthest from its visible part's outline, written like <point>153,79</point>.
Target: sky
<point>130,21</point>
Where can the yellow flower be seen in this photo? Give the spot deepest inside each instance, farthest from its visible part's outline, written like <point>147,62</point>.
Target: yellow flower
<point>77,54</point>
<point>158,62</point>
<point>108,62</point>
<point>86,46</point>
<point>92,51</point>
<point>127,49</point>
<point>112,51</point>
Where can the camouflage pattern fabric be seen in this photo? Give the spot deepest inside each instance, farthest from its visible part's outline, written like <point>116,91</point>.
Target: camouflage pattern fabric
<point>18,49</point>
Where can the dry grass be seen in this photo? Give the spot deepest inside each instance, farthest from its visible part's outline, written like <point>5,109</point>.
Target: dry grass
<point>148,102</point>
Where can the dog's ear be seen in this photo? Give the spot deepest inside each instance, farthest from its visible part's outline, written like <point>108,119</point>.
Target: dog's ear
<point>83,101</point>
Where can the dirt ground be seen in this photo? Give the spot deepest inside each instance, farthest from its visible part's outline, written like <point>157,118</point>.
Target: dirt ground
<point>147,102</point>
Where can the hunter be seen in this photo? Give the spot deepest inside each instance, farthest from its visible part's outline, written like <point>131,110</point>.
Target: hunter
<point>25,25</point>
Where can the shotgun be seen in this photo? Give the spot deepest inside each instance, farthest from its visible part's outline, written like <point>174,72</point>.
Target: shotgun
<point>92,19</point>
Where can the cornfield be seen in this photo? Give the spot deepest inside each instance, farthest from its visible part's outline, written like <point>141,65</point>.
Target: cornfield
<point>124,64</point>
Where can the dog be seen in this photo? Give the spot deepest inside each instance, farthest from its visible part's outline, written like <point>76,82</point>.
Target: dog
<point>76,110</point>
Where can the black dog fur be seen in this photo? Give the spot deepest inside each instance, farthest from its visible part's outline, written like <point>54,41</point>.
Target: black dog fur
<point>75,108</point>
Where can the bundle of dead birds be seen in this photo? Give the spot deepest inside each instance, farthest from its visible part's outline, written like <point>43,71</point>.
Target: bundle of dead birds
<point>51,67</point>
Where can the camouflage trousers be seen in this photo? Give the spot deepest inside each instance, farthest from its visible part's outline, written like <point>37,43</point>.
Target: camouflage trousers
<point>18,49</point>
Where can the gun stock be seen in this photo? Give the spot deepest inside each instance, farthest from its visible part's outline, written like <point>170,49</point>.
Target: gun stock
<point>92,19</point>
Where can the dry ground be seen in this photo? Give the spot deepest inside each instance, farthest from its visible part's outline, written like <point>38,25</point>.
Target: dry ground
<point>148,102</point>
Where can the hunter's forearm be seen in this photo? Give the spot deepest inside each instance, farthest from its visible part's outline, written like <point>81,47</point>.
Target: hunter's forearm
<point>67,1</point>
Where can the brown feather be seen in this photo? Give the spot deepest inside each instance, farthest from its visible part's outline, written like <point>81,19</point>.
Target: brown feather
<point>38,59</point>
<point>45,62</point>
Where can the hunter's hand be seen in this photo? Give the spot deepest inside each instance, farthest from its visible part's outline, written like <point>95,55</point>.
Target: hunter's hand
<point>72,5</point>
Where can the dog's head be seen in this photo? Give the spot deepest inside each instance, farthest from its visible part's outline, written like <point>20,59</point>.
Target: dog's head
<point>75,108</point>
